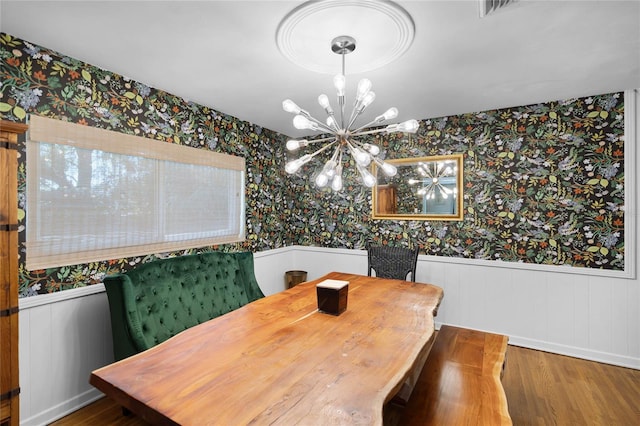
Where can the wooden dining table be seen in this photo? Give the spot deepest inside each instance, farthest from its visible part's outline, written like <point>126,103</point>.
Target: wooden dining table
<point>279,360</point>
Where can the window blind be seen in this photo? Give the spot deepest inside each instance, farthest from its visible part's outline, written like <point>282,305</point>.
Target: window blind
<point>94,194</point>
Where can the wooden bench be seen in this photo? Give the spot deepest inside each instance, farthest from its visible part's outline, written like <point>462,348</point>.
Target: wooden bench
<point>460,382</point>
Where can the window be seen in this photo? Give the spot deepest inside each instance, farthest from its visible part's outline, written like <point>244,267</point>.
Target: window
<point>94,194</point>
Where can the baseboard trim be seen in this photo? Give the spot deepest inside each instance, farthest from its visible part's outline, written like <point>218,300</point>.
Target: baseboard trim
<point>64,408</point>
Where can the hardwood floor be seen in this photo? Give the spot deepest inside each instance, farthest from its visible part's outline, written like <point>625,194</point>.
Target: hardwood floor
<point>103,412</point>
<point>541,388</point>
<point>549,389</point>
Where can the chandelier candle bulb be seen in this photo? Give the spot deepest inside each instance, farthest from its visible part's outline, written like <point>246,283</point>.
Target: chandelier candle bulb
<point>329,167</point>
<point>321,180</point>
<point>364,86</point>
<point>302,123</point>
<point>367,178</point>
<point>289,106</point>
<point>331,122</point>
<point>293,166</point>
<point>336,183</point>
<point>293,144</point>
<point>339,81</point>
<point>388,169</point>
<point>323,100</point>
<point>373,149</point>
<point>362,158</point>
<point>368,99</point>
<point>409,126</point>
<point>389,114</point>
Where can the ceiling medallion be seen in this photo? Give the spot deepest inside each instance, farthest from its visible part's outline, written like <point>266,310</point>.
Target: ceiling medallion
<point>384,29</point>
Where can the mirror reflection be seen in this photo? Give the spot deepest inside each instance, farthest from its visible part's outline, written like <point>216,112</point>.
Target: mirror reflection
<point>425,188</point>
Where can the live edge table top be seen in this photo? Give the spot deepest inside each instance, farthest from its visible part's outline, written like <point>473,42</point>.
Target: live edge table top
<point>279,360</point>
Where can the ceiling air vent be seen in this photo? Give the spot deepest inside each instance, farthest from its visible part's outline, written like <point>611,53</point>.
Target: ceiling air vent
<point>488,6</point>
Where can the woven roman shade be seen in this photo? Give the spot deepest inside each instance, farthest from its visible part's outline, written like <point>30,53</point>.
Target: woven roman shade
<point>94,194</point>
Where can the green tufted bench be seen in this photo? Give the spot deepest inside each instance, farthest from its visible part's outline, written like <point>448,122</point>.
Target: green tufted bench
<point>159,299</point>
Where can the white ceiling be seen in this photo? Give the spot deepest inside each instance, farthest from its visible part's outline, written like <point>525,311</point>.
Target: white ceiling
<point>223,54</point>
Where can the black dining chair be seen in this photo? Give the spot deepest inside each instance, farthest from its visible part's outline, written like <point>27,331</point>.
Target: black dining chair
<point>392,262</point>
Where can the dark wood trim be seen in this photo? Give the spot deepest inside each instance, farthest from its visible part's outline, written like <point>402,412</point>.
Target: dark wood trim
<point>8,395</point>
<point>9,359</point>
<point>9,311</point>
<point>13,127</point>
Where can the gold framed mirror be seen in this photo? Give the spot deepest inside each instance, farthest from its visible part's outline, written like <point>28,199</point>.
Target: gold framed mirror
<point>425,188</point>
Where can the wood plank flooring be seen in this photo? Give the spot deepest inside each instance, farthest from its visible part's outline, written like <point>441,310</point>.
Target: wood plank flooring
<point>549,389</point>
<point>541,388</point>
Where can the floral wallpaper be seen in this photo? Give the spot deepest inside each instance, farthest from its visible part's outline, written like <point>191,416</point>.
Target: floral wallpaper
<point>39,81</point>
<point>543,183</point>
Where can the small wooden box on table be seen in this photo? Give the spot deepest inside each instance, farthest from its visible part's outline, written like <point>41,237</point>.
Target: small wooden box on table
<point>460,382</point>
<point>332,296</point>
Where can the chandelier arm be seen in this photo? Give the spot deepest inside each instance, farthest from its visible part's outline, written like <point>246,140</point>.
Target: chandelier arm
<point>378,120</point>
<point>351,148</point>
<point>439,168</point>
<point>341,102</point>
<point>350,144</point>
<point>361,156</point>
<point>428,189</point>
<point>321,140</point>
<point>358,109</point>
<point>425,188</point>
<point>427,170</point>
<point>444,189</point>
<point>324,148</point>
<point>334,124</point>
<point>334,156</point>
<point>354,116</point>
<point>369,132</point>
<point>321,124</point>
<point>351,118</point>
<point>366,126</point>
<point>357,143</point>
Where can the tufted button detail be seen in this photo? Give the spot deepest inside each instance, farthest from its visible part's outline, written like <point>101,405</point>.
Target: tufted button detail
<point>176,293</point>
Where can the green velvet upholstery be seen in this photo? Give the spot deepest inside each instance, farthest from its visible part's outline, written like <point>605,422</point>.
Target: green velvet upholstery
<point>159,299</point>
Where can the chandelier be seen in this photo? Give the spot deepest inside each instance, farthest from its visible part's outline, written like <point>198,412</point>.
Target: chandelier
<point>343,131</point>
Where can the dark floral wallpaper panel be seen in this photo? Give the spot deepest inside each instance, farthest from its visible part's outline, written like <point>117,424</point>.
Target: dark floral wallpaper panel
<point>37,80</point>
<point>544,183</point>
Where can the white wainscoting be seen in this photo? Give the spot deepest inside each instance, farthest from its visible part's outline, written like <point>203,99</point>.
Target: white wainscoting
<point>587,316</point>
<point>64,336</point>
<point>61,341</point>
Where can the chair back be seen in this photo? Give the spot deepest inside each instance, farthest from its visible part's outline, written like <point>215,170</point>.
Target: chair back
<point>392,262</point>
